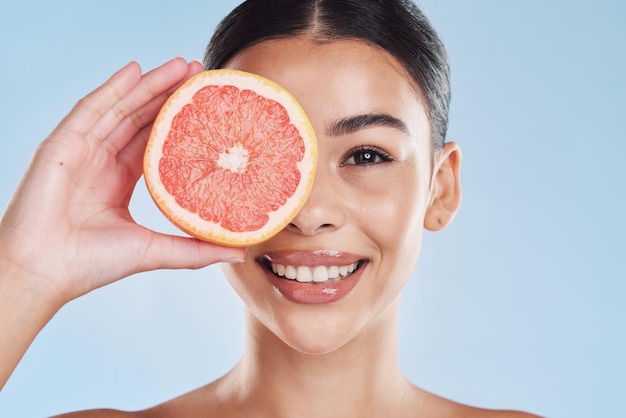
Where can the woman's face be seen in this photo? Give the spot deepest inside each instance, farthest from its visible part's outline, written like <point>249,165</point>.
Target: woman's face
<point>362,224</point>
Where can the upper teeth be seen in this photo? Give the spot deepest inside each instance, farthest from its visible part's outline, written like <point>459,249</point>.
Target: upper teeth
<point>316,274</point>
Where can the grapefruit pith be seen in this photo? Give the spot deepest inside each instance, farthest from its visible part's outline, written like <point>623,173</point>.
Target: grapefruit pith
<point>231,158</point>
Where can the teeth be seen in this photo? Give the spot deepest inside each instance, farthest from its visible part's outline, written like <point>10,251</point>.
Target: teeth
<point>290,272</point>
<point>343,270</point>
<point>304,274</point>
<point>333,272</point>
<point>320,274</point>
<point>278,269</point>
<point>317,274</point>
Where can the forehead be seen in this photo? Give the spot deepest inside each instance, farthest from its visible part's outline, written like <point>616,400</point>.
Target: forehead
<point>337,78</point>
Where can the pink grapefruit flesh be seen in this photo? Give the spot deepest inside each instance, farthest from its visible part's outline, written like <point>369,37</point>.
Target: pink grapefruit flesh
<point>231,158</point>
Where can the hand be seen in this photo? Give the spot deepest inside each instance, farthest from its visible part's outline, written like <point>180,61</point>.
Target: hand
<point>68,229</point>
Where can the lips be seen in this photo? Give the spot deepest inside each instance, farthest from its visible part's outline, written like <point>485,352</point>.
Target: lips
<point>313,277</point>
<point>317,274</point>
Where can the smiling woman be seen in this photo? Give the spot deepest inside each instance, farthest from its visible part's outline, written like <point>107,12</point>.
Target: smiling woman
<point>338,82</point>
<point>323,295</point>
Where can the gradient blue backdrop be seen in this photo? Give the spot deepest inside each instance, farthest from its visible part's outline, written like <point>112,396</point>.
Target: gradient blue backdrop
<point>519,304</point>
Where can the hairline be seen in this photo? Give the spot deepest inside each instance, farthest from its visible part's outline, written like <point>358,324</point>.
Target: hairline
<point>317,35</point>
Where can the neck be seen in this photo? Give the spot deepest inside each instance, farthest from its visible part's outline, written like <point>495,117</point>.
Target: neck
<point>363,375</point>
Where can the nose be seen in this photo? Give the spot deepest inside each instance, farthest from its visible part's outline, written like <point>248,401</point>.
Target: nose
<point>324,210</point>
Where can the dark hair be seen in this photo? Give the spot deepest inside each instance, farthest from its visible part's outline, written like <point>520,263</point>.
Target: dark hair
<point>396,26</point>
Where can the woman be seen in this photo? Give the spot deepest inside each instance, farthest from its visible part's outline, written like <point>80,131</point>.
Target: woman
<point>373,78</point>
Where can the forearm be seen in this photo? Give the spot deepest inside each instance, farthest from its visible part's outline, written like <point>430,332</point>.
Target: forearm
<point>67,229</point>
<point>24,311</point>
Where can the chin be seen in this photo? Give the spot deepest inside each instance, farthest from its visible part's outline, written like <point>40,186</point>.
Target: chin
<point>318,336</point>
<point>314,329</point>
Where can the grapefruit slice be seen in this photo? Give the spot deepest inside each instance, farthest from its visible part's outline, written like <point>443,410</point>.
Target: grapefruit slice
<point>231,158</point>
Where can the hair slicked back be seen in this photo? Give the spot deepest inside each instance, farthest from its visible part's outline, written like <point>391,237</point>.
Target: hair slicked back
<point>396,26</point>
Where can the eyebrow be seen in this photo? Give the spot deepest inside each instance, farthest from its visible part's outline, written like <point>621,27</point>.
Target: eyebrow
<point>353,124</point>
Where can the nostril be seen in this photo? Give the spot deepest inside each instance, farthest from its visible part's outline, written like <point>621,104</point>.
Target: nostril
<point>293,225</point>
<point>311,229</point>
<point>318,215</point>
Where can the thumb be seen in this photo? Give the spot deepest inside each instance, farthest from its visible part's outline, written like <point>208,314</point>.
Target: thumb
<point>174,252</point>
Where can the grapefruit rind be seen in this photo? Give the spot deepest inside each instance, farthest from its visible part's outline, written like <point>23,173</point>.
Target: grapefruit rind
<point>191,222</point>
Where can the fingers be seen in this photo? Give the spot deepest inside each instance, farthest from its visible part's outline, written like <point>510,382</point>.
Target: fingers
<point>88,111</point>
<point>152,85</point>
<point>137,126</point>
<point>132,155</point>
<point>195,67</point>
<point>172,252</point>
<point>96,115</point>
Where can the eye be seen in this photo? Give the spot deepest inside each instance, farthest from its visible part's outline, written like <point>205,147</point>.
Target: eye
<point>366,155</point>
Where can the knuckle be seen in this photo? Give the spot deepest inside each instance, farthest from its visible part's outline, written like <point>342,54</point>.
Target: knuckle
<point>87,105</point>
<point>137,120</point>
<point>119,113</point>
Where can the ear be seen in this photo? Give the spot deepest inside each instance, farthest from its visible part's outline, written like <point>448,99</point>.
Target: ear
<point>445,187</point>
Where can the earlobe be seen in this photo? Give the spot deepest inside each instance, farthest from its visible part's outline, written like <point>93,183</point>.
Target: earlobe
<point>445,188</point>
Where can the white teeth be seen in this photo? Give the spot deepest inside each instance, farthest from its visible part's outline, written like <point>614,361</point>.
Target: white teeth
<point>304,275</point>
<point>317,274</point>
<point>320,274</point>
<point>343,270</point>
<point>290,272</point>
<point>333,272</point>
<point>280,269</point>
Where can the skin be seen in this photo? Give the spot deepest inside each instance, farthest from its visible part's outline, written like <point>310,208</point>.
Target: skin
<point>344,353</point>
<point>84,174</point>
<point>333,82</point>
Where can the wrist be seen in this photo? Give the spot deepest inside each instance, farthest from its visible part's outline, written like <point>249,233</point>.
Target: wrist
<point>28,291</point>
<point>25,308</point>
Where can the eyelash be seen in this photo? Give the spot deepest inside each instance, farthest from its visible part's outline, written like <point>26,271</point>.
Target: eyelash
<point>379,155</point>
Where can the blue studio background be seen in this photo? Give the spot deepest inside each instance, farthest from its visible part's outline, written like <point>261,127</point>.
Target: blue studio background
<point>520,303</point>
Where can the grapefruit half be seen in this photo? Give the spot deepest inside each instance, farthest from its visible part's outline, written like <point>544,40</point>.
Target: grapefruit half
<point>231,158</point>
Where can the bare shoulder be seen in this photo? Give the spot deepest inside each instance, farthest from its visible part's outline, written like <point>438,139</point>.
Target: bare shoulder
<point>199,402</point>
<point>464,411</point>
<point>154,412</point>
<point>440,407</point>
<point>100,413</point>
<point>471,412</point>
<point>160,411</point>
<point>502,414</point>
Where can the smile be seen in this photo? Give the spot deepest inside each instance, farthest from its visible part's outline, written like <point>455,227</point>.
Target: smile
<point>313,277</point>
<point>316,274</point>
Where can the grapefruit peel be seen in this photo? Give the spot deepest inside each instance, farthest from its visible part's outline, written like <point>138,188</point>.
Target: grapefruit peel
<point>231,159</point>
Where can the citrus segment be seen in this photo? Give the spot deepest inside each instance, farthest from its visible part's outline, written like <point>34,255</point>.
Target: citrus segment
<point>231,158</point>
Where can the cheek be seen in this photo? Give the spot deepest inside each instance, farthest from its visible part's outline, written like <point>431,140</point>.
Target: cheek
<point>243,281</point>
<point>393,216</point>
<point>233,277</point>
<point>393,222</point>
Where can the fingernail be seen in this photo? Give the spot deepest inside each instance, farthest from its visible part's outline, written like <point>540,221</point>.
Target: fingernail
<point>232,260</point>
